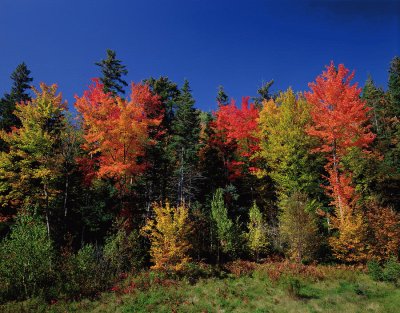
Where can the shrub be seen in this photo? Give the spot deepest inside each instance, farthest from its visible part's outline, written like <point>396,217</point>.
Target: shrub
<point>391,271</point>
<point>375,270</point>
<point>123,252</point>
<point>169,234</point>
<point>26,259</point>
<point>83,273</point>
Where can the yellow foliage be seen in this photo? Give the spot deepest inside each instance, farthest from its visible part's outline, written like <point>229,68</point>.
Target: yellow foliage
<point>168,233</point>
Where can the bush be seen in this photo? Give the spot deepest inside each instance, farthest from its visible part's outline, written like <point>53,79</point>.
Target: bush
<point>375,270</point>
<point>391,271</point>
<point>123,252</point>
<point>83,274</point>
<point>26,260</point>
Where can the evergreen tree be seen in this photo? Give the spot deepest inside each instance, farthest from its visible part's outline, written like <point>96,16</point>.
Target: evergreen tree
<point>160,156</point>
<point>394,86</point>
<point>112,71</point>
<point>185,142</point>
<point>222,97</point>
<point>263,92</point>
<point>21,83</point>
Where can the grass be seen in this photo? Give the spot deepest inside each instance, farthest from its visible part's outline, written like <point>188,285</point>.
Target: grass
<point>324,289</point>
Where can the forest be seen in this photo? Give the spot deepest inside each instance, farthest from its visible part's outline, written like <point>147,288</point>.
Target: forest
<point>136,180</point>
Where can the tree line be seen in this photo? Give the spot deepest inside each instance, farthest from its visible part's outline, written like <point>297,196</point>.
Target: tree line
<point>142,177</point>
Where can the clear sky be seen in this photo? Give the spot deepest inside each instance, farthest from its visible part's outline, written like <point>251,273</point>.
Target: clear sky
<point>238,44</point>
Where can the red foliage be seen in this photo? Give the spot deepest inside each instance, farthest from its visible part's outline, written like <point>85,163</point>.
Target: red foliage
<point>341,122</point>
<point>236,127</point>
<point>117,131</point>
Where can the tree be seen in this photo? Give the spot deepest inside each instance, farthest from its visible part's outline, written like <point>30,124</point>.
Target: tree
<point>169,234</point>
<point>112,71</point>
<point>116,132</point>
<point>238,126</point>
<point>21,83</point>
<point>340,120</point>
<point>394,87</point>
<point>298,226</point>
<point>26,258</point>
<point>222,97</point>
<point>257,232</point>
<point>285,146</point>
<point>263,93</point>
<point>160,156</point>
<point>224,227</point>
<point>30,172</point>
<point>185,142</point>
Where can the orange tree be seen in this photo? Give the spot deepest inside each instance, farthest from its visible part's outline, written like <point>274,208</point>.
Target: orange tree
<point>340,121</point>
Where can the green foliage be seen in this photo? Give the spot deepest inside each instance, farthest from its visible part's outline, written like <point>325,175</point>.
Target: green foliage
<point>391,271</point>
<point>112,71</point>
<point>185,143</point>
<point>26,259</point>
<point>298,226</point>
<point>222,97</point>
<point>257,232</point>
<point>82,274</point>
<point>123,251</point>
<point>375,270</point>
<point>21,83</point>
<point>224,226</point>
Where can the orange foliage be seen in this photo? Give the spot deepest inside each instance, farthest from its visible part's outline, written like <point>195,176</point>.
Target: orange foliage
<point>340,120</point>
<point>384,231</point>
<point>116,130</point>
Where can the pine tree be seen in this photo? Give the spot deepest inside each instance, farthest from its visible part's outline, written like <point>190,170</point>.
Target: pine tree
<point>160,156</point>
<point>222,97</point>
<point>21,83</point>
<point>264,93</point>
<point>112,71</point>
<point>185,142</point>
<point>394,87</point>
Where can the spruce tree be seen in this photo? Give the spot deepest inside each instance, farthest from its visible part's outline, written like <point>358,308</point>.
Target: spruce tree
<point>263,92</point>
<point>160,156</point>
<point>185,142</point>
<point>394,86</point>
<point>112,71</point>
<point>222,97</point>
<point>19,92</point>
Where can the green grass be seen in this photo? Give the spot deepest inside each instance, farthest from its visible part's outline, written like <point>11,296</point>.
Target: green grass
<point>343,291</point>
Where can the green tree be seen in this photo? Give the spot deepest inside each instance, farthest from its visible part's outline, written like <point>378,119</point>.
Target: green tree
<point>298,226</point>
<point>185,143</point>
<point>31,171</point>
<point>26,259</point>
<point>264,93</point>
<point>112,71</point>
<point>257,232</point>
<point>222,97</point>
<point>394,87</point>
<point>160,156</point>
<point>285,146</point>
<point>21,84</point>
<point>224,226</point>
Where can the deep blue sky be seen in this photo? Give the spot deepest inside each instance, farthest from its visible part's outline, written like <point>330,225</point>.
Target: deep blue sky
<point>238,44</point>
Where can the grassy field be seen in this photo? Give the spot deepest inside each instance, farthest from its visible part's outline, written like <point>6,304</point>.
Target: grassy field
<point>268,288</point>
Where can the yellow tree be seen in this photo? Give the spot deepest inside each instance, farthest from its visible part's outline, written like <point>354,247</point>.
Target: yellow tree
<point>169,233</point>
<point>31,169</point>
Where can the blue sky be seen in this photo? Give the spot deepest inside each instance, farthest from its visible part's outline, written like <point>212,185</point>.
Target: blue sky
<point>238,44</point>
